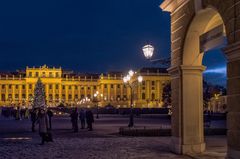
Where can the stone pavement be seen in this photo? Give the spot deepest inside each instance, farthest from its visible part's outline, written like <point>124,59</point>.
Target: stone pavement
<point>17,142</point>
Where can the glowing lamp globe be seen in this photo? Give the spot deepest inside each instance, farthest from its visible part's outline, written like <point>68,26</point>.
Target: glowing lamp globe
<point>131,73</point>
<point>148,51</point>
<point>140,79</point>
<point>125,79</point>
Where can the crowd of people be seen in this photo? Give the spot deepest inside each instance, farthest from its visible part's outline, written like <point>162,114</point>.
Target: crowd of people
<point>43,118</point>
<point>84,117</point>
<point>17,113</point>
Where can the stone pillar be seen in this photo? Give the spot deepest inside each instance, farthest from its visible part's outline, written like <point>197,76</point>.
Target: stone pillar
<point>78,92</point>
<point>108,92</point>
<point>115,92</point>
<point>54,94</point>
<point>66,94</point>
<point>121,89</point>
<point>187,102</point>
<point>92,92</point>
<point>60,92</point>
<point>233,100</point>
<point>85,91</point>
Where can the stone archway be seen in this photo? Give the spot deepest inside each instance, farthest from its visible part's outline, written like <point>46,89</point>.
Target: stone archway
<point>189,20</point>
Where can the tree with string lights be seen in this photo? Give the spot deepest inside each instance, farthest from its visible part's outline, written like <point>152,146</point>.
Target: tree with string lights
<point>39,100</point>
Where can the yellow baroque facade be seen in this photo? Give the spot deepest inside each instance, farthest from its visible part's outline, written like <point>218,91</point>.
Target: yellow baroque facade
<point>71,89</point>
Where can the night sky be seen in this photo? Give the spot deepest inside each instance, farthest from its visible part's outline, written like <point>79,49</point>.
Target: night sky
<point>87,35</point>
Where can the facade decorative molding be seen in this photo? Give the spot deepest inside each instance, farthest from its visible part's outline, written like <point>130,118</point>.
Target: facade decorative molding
<point>232,52</point>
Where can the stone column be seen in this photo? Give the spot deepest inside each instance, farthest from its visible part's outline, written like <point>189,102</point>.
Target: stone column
<point>54,94</point>
<point>108,92</point>
<point>115,92</point>
<point>60,92</point>
<point>121,89</point>
<point>187,102</point>
<point>233,100</point>
<point>66,94</point>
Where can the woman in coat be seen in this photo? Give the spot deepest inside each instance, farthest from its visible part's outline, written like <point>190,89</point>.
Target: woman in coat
<point>43,125</point>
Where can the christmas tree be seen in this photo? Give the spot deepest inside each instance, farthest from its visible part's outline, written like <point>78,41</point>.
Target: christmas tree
<point>39,100</point>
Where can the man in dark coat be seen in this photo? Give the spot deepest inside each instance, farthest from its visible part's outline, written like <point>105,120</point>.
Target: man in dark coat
<point>50,115</point>
<point>74,120</point>
<point>82,116</point>
<point>90,119</point>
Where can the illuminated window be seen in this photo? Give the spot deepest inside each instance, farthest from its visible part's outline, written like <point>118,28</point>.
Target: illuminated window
<point>82,96</point>
<point>9,96</point>
<point>153,96</point>
<point>3,97</point>
<point>153,83</point>
<point>30,74</point>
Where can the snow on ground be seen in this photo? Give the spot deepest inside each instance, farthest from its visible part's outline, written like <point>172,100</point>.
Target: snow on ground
<point>17,142</point>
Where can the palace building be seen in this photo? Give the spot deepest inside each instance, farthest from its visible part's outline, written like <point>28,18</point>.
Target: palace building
<point>78,89</point>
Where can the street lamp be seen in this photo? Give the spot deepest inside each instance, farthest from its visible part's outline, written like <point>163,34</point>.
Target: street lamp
<point>132,85</point>
<point>148,51</point>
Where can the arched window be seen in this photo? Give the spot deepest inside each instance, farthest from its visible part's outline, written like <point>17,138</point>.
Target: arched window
<point>153,96</point>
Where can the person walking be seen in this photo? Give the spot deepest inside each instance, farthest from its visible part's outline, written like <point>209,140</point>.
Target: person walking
<point>74,120</point>
<point>17,113</point>
<point>50,115</point>
<point>33,119</point>
<point>82,117</point>
<point>43,126</point>
<point>90,119</point>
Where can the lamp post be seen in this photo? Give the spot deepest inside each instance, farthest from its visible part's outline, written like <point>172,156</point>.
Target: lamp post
<point>148,51</point>
<point>127,80</point>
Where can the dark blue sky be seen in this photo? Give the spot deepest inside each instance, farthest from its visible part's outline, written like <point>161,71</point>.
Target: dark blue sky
<point>82,35</point>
